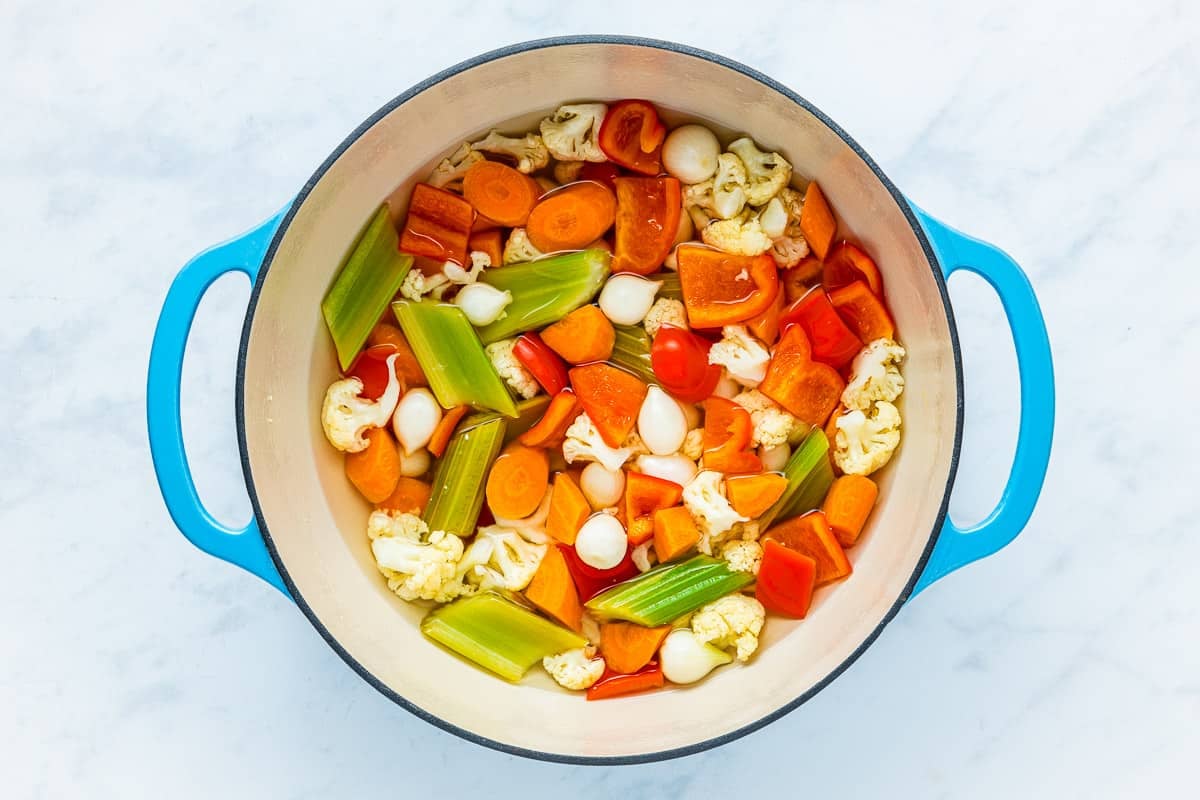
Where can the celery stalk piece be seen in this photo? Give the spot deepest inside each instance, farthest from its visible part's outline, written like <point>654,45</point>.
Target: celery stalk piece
<point>365,283</point>
<point>809,475</point>
<point>670,284</point>
<point>528,413</point>
<point>497,634</point>
<point>460,476</point>
<point>458,369</point>
<point>545,290</point>
<point>631,351</point>
<point>668,592</point>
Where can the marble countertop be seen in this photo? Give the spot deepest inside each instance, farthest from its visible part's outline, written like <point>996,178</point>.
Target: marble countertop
<point>1068,665</point>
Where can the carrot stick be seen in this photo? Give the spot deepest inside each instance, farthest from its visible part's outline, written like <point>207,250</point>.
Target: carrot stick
<point>569,509</point>
<point>445,429</point>
<point>517,481</point>
<point>675,533</point>
<point>376,470</point>
<point>817,222</point>
<point>583,336</point>
<point>627,647</point>
<point>570,218</point>
<point>488,242</point>
<point>553,590</point>
<point>500,193</point>
<point>411,496</point>
<point>752,495</point>
<point>551,429</point>
<point>847,506</point>
<point>437,225</point>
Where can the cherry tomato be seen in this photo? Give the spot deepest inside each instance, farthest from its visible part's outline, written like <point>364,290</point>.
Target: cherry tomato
<point>680,361</point>
<point>543,363</point>
<point>632,136</point>
<point>370,367</point>
<point>833,343</point>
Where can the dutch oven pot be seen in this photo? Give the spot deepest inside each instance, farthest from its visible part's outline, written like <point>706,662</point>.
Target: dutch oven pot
<point>308,534</point>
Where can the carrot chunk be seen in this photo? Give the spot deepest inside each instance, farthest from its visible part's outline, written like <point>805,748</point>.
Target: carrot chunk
<point>517,481</point>
<point>376,470</point>
<point>817,222</point>
<point>553,591</point>
<point>847,506</point>
<point>583,336</point>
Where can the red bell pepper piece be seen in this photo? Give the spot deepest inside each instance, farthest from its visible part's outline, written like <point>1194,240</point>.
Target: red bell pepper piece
<point>863,311</point>
<point>370,367</point>
<point>615,684</point>
<point>808,389</point>
<point>632,136</point>
<point>645,494</point>
<point>728,430</point>
<point>611,397</point>
<point>679,359</point>
<point>723,288</point>
<point>846,264</point>
<point>785,580</point>
<point>591,581</point>
<point>833,343</point>
<point>543,363</point>
<point>647,219</point>
<point>438,225</point>
<point>601,172</point>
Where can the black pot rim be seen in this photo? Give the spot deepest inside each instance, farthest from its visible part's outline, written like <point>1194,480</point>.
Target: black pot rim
<point>362,671</point>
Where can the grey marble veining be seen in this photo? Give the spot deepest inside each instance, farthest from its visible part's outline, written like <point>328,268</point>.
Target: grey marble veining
<point>133,136</point>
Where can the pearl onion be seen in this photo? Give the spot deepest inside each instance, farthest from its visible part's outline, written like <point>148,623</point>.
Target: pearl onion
<point>482,304</point>
<point>691,414</point>
<point>626,298</point>
<point>690,153</point>
<point>417,414</point>
<point>414,464</point>
<point>774,459</point>
<point>602,487</point>
<point>661,422</point>
<point>686,659</point>
<point>601,542</point>
<point>727,387</point>
<point>676,468</point>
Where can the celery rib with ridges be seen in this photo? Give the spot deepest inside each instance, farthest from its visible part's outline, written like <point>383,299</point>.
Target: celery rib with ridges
<point>451,356</point>
<point>670,284</point>
<point>666,593</point>
<point>544,291</point>
<point>631,351</point>
<point>497,634</point>
<point>367,281</point>
<point>809,475</point>
<point>460,478</point>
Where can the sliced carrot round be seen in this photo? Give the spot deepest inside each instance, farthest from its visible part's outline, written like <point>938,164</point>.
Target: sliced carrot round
<point>572,217</point>
<point>500,193</point>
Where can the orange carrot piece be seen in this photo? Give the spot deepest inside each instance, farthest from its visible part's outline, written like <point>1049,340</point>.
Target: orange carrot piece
<point>411,496</point>
<point>437,225</point>
<point>376,470</point>
<point>569,509</point>
<point>847,506</point>
<point>644,495</point>
<point>500,193</point>
<point>752,495</point>
<point>811,535</point>
<point>627,647</point>
<point>611,397</point>
<point>675,533</point>
<point>445,429</point>
<point>571,217</point>
<point>408,369</point>
<point>581,337</point>
<point>808,389</point>
<point>766,325</point>
<point>488,242</point>
<point>551,429</point>
<point>614,684</point>
<point>863,311</point>
<point>517,481</point>
<point>817,222</point>
<point>553,590</point>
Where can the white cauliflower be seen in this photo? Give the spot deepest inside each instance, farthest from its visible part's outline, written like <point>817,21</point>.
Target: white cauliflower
<point>723,195</point>
<point>574,669</point>
<point>665,311</point>
<point>789,247</point>
<point>743,555</point>
<point>529,151</point>
<point>518,248</point>
<point>704,498</point>
<point>643,556</point>
<point>744,356</point>
<point>345,416</point>
<point>875,375</point>
<point>584,443</point>
<point>456,274</point>
<point>500,558</point>
<point>865,443</point>
<point>511,370</point>
<point>533,527</point>
<point>417,284</point>
<point>788,251</point>
<point>449,172</point>
<point>772,425</point>
<point>419,565</point>
<point>742,235</point>
<point>766,173</point>
<point>572,132</point>
<point>732,622</point>
<point>773,217</point>
<point>693,444</point>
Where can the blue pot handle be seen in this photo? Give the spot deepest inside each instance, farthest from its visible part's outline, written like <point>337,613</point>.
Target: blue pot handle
<point>243,546</point>
<point>957,546</point>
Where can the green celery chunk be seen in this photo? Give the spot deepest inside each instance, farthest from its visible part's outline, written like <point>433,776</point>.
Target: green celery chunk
<point>365,283</point>
<point>497,634</point>
<point>460,476</point>
<point>528,413</point>
<point>544,291</point>
<point>670,284</point>
<point>809,475</point>
<point>668,592</point>
<point>631,351</point>
<point>451,356</point>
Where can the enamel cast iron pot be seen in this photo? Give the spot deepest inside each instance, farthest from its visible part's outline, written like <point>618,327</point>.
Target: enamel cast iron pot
<point>308,537</point>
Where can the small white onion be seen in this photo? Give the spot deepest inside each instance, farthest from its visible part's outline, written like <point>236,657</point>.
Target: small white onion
<point>774,459</point>
<point>602,487</point>
<point>690,413</point>
<point>601,542</point>
<point>626,298</point>
<point>676,468</point>
<point>727,387</point>
<point>417,414</point>
<point>690,153</point>
<point>414,464</point>
<point>686,659</point>
<point>661,422</point>
<point>482,304</point>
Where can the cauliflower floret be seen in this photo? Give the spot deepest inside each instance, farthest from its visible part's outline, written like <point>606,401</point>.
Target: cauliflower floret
<point>533,527</point>
<point>693,444</point>
<point>766,173</point>
<point>743,555</point>
<point>518,248</point>
<point>704,498</point>
<point>742,235</point>
<point>665,311</point>
<point>875,375</point>
<point>864,443</point>
<point>789,251</point>
<point>529,151</point>
<point>772,425</point>
<point>574,669</point>
<point>571,133</point>
<point>500,558</point>
<point>789,247</point>
<point>417,284</point>
<point>741,354</point>
<point>511,370</point>
<point>345,416</point>
<point>449,172</point>
<point>734,621</point>
<point>723,195</point>
<point>418,565</point>
<point>456,274</point>
<point>643,556</point>
<point>583,443</point>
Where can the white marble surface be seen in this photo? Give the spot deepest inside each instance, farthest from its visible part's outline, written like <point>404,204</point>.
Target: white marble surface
<point>134,666</point>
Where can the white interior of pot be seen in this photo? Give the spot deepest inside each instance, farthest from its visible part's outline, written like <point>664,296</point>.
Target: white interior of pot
<point>317,521</point>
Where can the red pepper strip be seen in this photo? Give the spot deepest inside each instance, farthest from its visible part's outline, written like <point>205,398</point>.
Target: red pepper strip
<point>543,363</point>
<point>632,136</point>
<point>438,224</point>
<point>785,580</point>
<point>370,367</point>
<point>833,342</point>
<point>727,436</point>
<point>601,172</point>
<point>863,311</point>
<point>615,684</point>
<point>591,581</point>
<point>846,264</point>
<point>551,429</point>
<point>647,220</point>
<point>645,494</point>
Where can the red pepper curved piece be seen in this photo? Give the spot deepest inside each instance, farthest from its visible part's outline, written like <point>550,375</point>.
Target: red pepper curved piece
<point>728,430</point>
<point>370,367</point>
<point>590,581</point>
<point>645,494</point>
<point>615,684</point>
<point>648,211</point>
<point>833,342</point>
<point>847,263</point>
<point>632,136</point>
<point>543,363</point>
